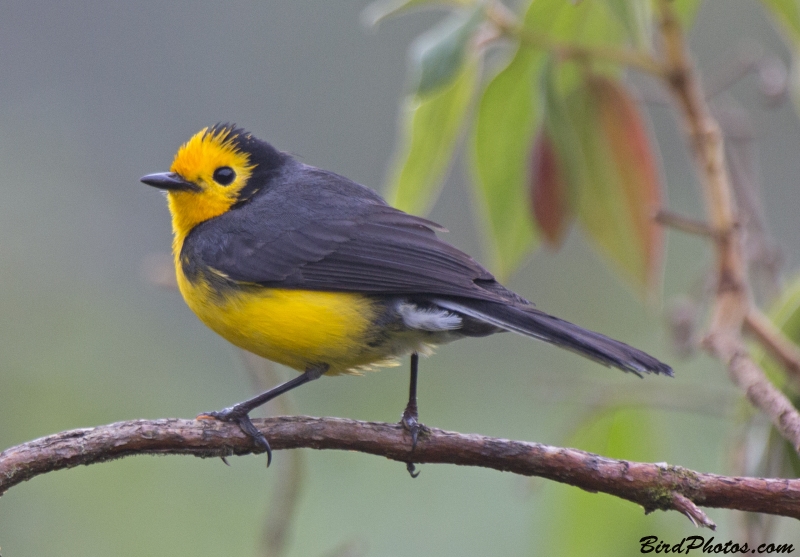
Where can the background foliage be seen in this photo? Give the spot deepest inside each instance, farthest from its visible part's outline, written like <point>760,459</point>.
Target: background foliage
<point>96,94</point>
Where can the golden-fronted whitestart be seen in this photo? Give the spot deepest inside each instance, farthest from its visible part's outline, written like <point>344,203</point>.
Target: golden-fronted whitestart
<point>311,270</point>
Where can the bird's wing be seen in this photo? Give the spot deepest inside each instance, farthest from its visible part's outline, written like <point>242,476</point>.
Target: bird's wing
<point>334,239</point>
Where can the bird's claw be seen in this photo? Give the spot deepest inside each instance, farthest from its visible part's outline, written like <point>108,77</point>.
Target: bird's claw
<point>244,423</point>
<point>411,424</point>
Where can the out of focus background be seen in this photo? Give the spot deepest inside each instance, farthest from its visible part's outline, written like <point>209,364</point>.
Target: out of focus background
<point>94,95</point>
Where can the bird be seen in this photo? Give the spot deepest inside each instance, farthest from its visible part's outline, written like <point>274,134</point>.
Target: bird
<point>311,270</point>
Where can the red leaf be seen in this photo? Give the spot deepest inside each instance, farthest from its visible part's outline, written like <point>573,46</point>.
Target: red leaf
<point>549,191</point>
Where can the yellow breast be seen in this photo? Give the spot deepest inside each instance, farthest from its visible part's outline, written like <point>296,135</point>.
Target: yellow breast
<point>297,328</point>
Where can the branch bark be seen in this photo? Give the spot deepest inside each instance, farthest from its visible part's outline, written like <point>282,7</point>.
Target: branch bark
<point>653,486</point>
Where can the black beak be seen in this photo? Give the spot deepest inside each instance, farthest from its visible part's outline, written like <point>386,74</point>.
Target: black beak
<point>169,181</point>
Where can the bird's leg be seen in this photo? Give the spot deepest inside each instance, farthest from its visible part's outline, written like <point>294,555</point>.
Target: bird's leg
<point>411,414</point>
<point>410,418</point>
<point>238,413</point>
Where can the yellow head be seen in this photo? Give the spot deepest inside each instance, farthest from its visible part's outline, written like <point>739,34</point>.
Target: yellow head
<point>217,168</point>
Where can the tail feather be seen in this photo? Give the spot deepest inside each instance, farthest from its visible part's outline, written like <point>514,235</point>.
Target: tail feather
<point>528,321</point>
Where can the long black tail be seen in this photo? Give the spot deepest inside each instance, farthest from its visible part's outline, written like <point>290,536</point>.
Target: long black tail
<point>531,322</point>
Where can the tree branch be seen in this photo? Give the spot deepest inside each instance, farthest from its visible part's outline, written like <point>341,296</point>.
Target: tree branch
<point>732,301</point>
<point>653,486</point>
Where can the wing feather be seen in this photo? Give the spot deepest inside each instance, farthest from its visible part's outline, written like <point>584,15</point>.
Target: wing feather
<point>307,232</point>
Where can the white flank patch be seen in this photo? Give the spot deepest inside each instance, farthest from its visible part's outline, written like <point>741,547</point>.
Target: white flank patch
<point>428,319</point>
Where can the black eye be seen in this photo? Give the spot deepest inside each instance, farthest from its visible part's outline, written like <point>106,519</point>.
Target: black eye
<point>224,175</point>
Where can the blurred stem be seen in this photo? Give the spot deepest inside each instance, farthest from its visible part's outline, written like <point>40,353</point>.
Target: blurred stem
<point>508,24</point>
<point>684,224</point>
<point>285,500</point>
<point>283,506</point>
<point>732,301</point>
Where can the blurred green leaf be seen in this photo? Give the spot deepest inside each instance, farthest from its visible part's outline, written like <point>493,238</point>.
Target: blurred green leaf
<point>590,22</point>
<point>606,523</point>
<point>553,16</point>
<point>637,18</point>
<point>550,192</point>
<point>438,54</point>
<point>787,15</point>
<point>503,130</point>
<point>377,11</point>
<point>430,131</point>
<point>686,10</point>
<point>785,314</point>
<point>622,189</point>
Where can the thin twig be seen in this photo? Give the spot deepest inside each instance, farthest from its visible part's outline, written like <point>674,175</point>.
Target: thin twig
<point>653,486</point>
<point>684,224</point>
<point>692,512</point>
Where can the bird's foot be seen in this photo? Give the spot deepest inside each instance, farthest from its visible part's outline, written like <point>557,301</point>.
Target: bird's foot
<point>410,422</point>
<point>235,415</point>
